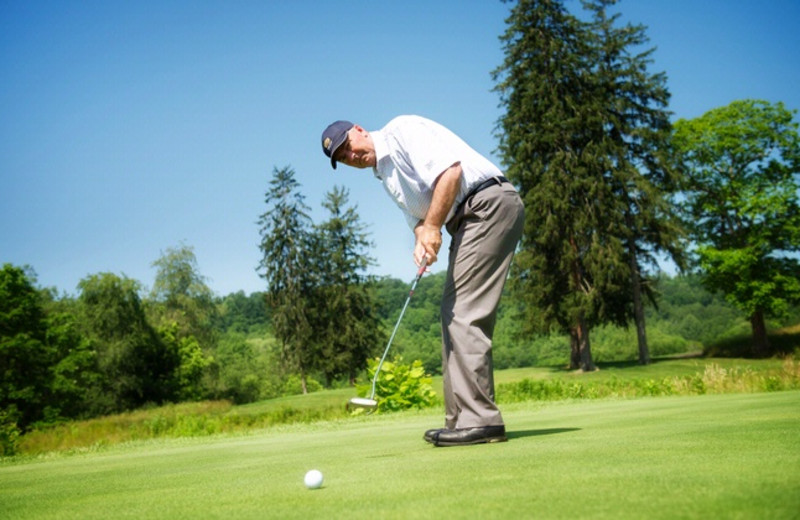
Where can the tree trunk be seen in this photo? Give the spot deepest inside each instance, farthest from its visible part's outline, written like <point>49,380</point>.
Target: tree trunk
<point>574,350</point>
<point>760,340</point>
<point>581,355</point>
<point>587,364</point>
<point>638,309</point>
<point>303,382</point>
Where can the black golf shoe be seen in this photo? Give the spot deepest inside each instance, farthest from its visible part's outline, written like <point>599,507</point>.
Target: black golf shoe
<point>430,435</point>
<point>467,436</point>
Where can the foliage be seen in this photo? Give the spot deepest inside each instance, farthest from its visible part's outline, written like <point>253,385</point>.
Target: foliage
<point>25,355</point>
<point>75,373</point>
<point>238,312</point>
<point>713,379</point>
<point>245,369</point>
<point>583,137</point>
<point>399,386</point>
<point>136,366</point>
<point>193,362</point>
<point>180,298</point>
<point>742,164</point>
<point>286,240</point>
<point>419,334</point>
<point>9,431</point>
<point>345,321</point>
<point>294,386</point>
<point>172,420</point>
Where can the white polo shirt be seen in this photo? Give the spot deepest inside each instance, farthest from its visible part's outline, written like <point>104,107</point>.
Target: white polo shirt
<point>411,152</point>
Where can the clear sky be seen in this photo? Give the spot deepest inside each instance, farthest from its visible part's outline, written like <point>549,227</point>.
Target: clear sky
<point>130,127</point>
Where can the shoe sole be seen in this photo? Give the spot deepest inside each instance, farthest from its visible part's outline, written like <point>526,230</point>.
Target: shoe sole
<point>486,440</point>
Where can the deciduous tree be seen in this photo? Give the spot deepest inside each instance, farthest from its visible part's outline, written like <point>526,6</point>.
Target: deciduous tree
<point>136,366</point>
<point>742,205</point>
<point>25,356</point>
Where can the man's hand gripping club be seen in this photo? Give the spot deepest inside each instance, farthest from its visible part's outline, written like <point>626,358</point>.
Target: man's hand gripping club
<point>428,232</point>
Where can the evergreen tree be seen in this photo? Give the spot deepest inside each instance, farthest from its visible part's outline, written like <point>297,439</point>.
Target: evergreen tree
<point>545,139</point>
<point>636,141</point>
<point>585,139</point>
<point>287,266</point>
<point>349,310</point>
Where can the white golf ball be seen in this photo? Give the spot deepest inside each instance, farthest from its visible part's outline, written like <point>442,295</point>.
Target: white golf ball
<point>313,479</point>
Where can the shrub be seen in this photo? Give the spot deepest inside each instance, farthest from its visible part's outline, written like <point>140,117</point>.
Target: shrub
<point>399,386</point>
<point>294,385</point>
<point>9,432</point>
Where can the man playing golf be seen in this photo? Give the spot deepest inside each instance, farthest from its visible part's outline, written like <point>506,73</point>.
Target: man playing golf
<point>438,180</point>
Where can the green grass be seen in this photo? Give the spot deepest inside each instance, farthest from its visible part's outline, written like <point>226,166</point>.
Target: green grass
<point>615,380</point>
<point>709,456</point>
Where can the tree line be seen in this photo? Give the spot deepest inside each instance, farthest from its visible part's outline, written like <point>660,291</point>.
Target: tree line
<point>610,185</point>
<point>116,347</point>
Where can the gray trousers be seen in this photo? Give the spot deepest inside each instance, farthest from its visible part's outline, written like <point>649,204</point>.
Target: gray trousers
<point>485,231</point>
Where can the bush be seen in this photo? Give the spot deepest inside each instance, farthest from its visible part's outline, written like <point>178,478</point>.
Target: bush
<point>9,433</point>
<point>294,385</point>
<point>399,386</point>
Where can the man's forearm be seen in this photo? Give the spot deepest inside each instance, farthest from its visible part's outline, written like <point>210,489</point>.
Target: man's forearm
<point>444,195</point>
<point>429,230</point>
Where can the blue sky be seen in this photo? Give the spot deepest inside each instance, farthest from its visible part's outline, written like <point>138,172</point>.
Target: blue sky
<point>127,128</point>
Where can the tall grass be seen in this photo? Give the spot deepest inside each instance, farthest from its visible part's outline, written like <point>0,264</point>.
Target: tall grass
<point>221,417</point>
<point>713,379</point>
<point>175,420</point>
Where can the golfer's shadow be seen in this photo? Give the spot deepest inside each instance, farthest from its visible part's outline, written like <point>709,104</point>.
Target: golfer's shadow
<point>519,434</point>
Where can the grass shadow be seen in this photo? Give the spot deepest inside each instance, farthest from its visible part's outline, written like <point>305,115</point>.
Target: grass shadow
<point>782,342</point>
<point>634,363</point>
<point>521,434</point>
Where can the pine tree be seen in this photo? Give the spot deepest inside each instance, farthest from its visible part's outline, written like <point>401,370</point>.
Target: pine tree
<point>636,138</point>
<point>543,138</point>
<point>348,313</point>
<point>286,265</point>
<point>583,137</point>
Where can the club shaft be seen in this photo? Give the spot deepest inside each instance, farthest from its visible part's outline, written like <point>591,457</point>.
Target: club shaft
<point>391,338</point>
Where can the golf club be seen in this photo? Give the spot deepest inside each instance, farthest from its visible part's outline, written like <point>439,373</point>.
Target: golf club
<point>370,402</point>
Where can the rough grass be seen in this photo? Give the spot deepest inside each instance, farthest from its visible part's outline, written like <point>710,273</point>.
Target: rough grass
<point>616,380</point>
<point>712,377</point>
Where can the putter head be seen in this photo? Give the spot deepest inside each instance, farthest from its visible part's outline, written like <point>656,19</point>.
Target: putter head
<point>362,402</point>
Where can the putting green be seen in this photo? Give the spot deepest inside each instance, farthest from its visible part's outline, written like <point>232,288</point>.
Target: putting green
<point>726,456</point>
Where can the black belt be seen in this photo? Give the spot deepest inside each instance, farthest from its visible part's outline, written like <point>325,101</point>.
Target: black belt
<point>494,181</point>
<point>486,184</point>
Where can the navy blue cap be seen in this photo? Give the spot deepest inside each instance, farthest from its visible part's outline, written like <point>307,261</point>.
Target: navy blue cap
<point>333,137</point>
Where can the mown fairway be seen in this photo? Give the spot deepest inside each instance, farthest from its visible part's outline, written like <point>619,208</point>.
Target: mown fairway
<point>713,456</point>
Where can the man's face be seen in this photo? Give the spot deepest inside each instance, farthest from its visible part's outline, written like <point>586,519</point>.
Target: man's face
<point>358,150</point>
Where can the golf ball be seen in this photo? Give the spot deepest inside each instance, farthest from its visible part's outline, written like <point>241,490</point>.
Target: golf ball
<point>313,479</point>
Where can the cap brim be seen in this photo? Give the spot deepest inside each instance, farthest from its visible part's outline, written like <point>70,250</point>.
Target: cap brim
<point>335,149</point>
